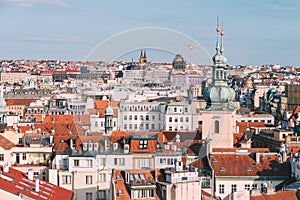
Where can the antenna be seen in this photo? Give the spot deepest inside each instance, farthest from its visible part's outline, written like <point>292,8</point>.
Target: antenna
<point>191,46</point>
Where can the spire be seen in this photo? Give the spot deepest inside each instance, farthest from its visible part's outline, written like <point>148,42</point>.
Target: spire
<point>141,55</point>
<point>145,54</point>
<point>222,34</point>
<point>218,30</point>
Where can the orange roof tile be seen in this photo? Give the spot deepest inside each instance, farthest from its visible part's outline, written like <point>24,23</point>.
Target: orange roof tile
<point>135,146</point>
<point>26,102</point>
<point>120,185</point>
<point>5,143</point>
<point>117,135</point>
<point>21,184</point>
<point>244,125</point>
<point>245,165</point>
<point>102,104</point>
<point>290,195</point>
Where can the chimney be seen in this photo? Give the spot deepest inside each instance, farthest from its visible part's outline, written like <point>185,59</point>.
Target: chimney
<point>30,174</point>
<point>37,184</point>
<point>257,157</point>
<point>178,166</point>
<point>6,168</point>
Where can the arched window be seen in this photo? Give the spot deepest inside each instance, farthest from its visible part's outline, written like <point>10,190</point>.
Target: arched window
<point>217,127</point>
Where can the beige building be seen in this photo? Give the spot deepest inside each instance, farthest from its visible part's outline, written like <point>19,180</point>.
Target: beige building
<point>13,77</point>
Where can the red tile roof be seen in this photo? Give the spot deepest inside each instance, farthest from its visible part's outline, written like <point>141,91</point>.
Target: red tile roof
<point>102,104</point>
<point>5,143</point>
<point>19,183</point>
<point>280,195</point>
<point>26,102</point>
<point>245,165</point>
<point>117,135</point>
<point>119,184</point>
<point>236,138</point>
<point>135,146</point>
<point>244,125</point>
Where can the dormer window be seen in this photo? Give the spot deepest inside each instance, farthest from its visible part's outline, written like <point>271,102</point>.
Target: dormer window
<point>143,144</point>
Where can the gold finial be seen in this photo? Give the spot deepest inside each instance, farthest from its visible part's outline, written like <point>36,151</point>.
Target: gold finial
<point>218,29</point>
<point>222,32</point>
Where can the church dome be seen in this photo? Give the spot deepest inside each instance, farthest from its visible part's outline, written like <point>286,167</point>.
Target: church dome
<point>178,58</point>
<point>219,59</point>
<point>221,94</point>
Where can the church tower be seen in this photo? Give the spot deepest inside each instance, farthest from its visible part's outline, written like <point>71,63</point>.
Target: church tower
<point>3,113</point>
<point>219,116</point>
<point>109,114</point>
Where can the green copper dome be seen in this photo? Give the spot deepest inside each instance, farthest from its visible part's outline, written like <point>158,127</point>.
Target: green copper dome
<point>109,111</point>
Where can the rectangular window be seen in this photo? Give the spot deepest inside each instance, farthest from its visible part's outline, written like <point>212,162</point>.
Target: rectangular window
<point>152,126</point>
<point>170,119</point>
<point>44,176</point>
<point>125,126</point>
<point>130,126</point>
<point>102,177</point>
<point>187,119</point>
<point>254,186</point>
<point>153,117</point>
<point>135,117</point>
<point>147,117</point>
<point>36,174</point>
<point>247,186</point>
<point>88,196</point>
<point>89,180</point>
<point>24,156</point>
<point>185,109</point>
<point>89,163</point>
<point>162,161</point>
<point>233,188</point>
<point>119,161</point>
<point>102,161</point>
<point>130,117</point>
<point>147,126</point>
<point>176,119</point>
<point>170,128</point>
<point>66,179</point>
<point>135,127</point>
<point>181,119</point>
<point>125,117</point>
<point>1,157</point>
<point>221,189</point>
<point>101,194</point>
<point>76,163</point>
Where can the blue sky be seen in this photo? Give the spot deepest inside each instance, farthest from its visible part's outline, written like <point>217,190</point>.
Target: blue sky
<point>256,32</point>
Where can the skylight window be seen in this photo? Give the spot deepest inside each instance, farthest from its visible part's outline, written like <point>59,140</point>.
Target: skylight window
<point>118,176</point>
<point>142,177</point>
<point>120,192</point>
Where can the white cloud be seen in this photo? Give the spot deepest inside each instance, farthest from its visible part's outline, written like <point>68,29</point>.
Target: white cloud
<point>31,3</point>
